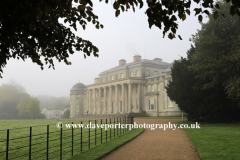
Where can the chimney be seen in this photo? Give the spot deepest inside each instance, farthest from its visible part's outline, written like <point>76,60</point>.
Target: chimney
<point>157,59</point>
<point>136,58</point>
<point>96,80</point>
<point>122,62</point>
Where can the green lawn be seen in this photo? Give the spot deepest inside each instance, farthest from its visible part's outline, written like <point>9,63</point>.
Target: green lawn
<point>107,147</point>
<point>39,138</point>
<point>216,141</point>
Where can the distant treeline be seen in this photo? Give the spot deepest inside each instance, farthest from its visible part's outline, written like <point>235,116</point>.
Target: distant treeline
<point>15,103</point>
<point>51,102</point>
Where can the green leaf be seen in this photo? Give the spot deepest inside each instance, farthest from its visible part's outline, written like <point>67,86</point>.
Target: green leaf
<point>200,18</point>
<point>188,11</point>
<point>197,10</point>
<point>206,11</point>
<point>215,15</point>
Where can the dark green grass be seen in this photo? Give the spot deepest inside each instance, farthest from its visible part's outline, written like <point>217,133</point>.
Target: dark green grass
<point>162,117</point>
<point>216,141</point>
<point>107,147</point>
<point>39,138</point>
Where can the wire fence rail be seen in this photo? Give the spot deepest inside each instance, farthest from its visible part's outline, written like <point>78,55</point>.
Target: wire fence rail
<point>50,142</point>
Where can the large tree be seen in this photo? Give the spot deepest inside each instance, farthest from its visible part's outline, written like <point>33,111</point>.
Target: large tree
<point>206,84</point>
<point>217,58</point>
<point>186,90</point>
<point>31,29</point>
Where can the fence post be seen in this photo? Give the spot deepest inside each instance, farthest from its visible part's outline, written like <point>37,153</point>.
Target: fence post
<point>30,143</point>
<point>117,127</point>
<point>95,132</point>
<point>61,143</point>
<point>72,138</point>
<point>120,125</point>
<point>101,131</point>
<point>125,125</point>
<point>47,140</point>
<point>114,127</point>
<point>106,129</point>
<point>7,144</point>
<point>110,129</point>
<point>81,136</point>
<point>89,134</point>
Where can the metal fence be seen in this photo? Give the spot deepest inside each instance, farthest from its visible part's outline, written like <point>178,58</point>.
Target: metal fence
<point>50,142</point>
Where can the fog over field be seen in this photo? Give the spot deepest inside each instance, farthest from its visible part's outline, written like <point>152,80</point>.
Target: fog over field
<point>121,38</point>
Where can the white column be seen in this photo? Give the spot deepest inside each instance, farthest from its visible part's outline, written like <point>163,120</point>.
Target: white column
<point>105,96</point>
<point>116,98</point>
<point>89,103</point>
<point>139,97</point>
<point>110,99</point>
<point>129,97</point>
<point>123,98</point>
<point>94,102</point>
<point>99,101</point>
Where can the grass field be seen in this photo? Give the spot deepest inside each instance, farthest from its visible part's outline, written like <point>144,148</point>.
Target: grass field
<point>19,146</point>
<point>107,147</point>
<point>216,141</point>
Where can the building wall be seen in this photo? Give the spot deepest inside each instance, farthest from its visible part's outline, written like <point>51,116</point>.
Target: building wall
<point>108,97</point>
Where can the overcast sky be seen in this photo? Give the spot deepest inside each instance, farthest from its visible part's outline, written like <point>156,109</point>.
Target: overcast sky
<point>121,38</point>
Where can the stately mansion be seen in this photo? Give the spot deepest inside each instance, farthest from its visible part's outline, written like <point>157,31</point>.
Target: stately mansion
<point>135,87</point>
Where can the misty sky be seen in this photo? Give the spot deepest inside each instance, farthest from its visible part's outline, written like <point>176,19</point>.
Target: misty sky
<point>121,38</point>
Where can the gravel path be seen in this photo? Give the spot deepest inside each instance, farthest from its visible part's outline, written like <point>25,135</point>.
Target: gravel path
<point>157,144</point>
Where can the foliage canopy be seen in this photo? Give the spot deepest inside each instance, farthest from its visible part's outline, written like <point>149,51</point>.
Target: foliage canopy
<point>31,29</point>
<point>206,84</point>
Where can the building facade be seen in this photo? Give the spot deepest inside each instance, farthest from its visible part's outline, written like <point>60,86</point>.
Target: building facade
<point>134,87</point>
<point>52,113</point>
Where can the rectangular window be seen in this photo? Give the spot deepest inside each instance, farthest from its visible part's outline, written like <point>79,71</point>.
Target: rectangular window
<point>137,103</point>
<point>77,98</point>
<point>132,103</point>
<point>131,74</point>
<point>102,93</point>
<point>170,103</point>
<point>103,80</point>
<point>151,104</point>
<point>152,88</point>
<point>120,106</point>
<point>116,77</point>
<point>121,75</point>
<point>93,109</point>
<point>147,73</point>
<point>112,78</point>
<point>77,108</point>
<point>106,79</point>
<point>165,102</point>
<point>102,105</point>
<point>113,107</point>
<point>137,74</point>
